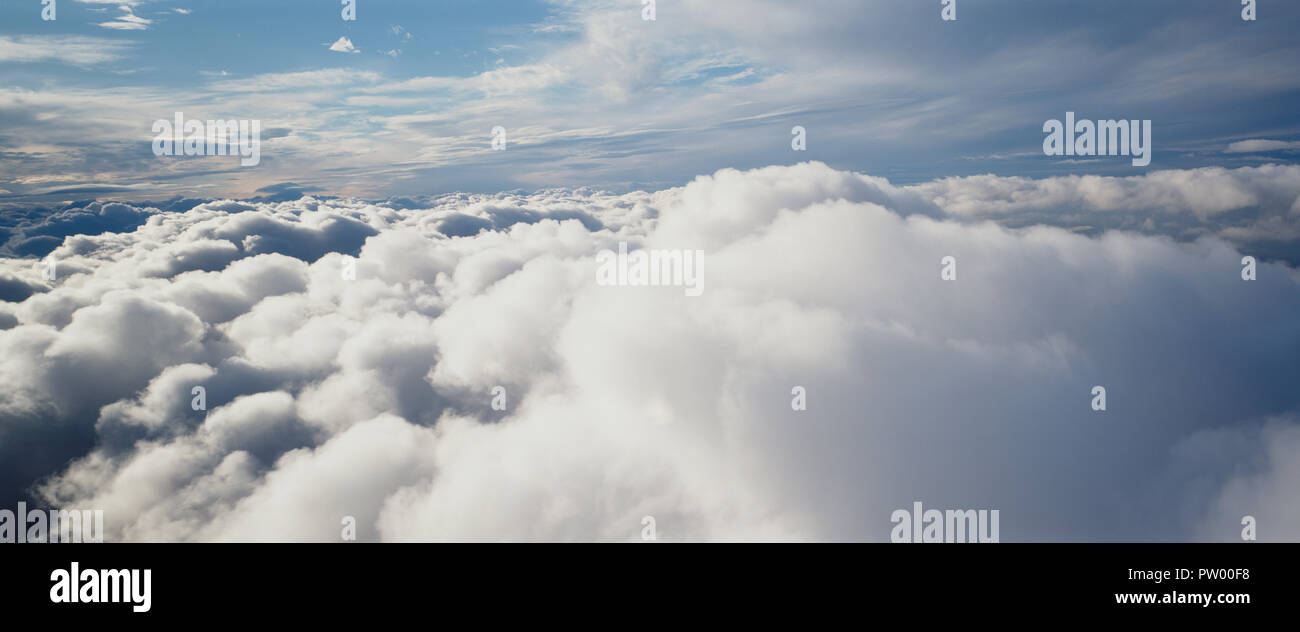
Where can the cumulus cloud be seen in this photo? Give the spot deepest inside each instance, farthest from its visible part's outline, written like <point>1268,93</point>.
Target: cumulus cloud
<point>343,45</point>
<point>350,351</point>
<point>1254,208</point>
<point>1202,192</point>
<point>38,230</point>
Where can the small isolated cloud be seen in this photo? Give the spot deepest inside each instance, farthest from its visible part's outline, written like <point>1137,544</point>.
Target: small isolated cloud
<point>344,45</point>
<point>128,21</point>
<point>1260,146</point>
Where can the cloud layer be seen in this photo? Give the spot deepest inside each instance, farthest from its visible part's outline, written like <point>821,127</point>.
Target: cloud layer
<point>330,396</point>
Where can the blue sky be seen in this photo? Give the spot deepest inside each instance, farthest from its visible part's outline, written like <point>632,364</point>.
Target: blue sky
<point>592,95</point>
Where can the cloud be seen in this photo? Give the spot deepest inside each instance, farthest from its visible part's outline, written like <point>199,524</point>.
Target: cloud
<point>609,100</point>
<point>508,79</point>
<point>1266,455</point>
<point>68,49</point>
<point>1261,146</point>
<point>1202,192</point>
<point>47,227</point>
<point>1248,206</point>
<point>369,395</point>
<point>271,82</point>
<point>344,45</point>
<point>89,188</point>
<point>128,21</point>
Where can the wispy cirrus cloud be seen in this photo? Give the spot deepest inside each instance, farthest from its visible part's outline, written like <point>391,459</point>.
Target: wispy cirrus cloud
<point>1260,146</point>
<point>76,50</point>
<point>711,84</point>
<point>322,78</point>
<point>128,20</point>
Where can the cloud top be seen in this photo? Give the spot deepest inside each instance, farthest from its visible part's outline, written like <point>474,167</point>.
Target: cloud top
<point>370,395</point>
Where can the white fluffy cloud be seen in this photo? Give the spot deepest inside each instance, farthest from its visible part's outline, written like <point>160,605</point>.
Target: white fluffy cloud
<point>1203,192</point>
<point>370,397</point>
<point>343,45</point>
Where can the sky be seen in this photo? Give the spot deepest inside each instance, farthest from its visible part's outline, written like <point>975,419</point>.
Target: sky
<point>590,94</point>
<point>394,323</point>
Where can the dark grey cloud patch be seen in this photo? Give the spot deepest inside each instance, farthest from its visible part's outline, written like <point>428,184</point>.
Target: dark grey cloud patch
<point>15,290</point>
<point>254,233</point>
<point>38,230</point>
